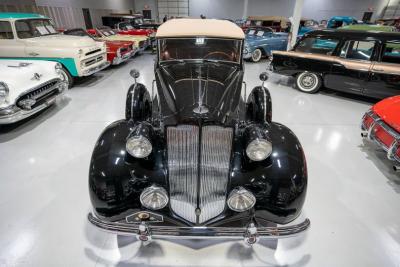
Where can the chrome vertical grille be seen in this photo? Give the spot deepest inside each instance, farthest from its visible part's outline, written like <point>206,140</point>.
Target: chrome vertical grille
<point>216,145</point>
<point>185,176</point>
<point>183,145</point>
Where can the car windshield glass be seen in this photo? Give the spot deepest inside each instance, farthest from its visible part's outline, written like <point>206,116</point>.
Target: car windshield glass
<point>200,49</point>
<point>107,32</point>
<point>260,33</point>
<point>78,32</point>
<point>126,26</point>
<point>251,32</point>
<point>29,28</point>
<point>138,21</point>
<point>317,45</point>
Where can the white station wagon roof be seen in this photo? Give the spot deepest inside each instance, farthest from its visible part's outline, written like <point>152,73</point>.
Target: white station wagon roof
<point>199,27</point>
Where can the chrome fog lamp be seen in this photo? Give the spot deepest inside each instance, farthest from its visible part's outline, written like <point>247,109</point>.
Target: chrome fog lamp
<point>154,197</point>
<point>259,149</point>
<point>4,91</point>
<point>240,199</point>
<point>138,146</point>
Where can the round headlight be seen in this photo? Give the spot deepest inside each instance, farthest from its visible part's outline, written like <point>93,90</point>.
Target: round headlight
<point>138,146</point>
<point>58,67</point>
<point>241,199</point>
<point>4,91</point>
<point>259,149</point>
<point>154,197</point>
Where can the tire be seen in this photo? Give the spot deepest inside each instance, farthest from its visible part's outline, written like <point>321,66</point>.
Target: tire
<point>308,82</point>
<point>67,77</point>
<point>256,55</point>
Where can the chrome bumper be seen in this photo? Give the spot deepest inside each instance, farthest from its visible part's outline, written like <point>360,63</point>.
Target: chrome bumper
<point>250,234</point>
<point>119,60</point>
<point>14,114</point>
<point>95,69</point>
<point>369,134</point>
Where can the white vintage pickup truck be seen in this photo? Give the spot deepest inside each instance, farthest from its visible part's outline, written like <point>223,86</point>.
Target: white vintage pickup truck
<point>32,36</point>
<point>27,87</point>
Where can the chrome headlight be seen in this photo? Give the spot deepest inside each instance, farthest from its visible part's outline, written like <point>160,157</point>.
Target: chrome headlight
<point>4,91</point>
<point>241,199</point>
<point>58,68</point>
<point>138,146</point>
<point>259,149</point>
<point>154,197</point>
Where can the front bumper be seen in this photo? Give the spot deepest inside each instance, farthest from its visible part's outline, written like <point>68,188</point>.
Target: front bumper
<point>250,234</point>
<point>92,70</point>
<point>118,60</point>
<point>369,134</point>
<point>14,114</point>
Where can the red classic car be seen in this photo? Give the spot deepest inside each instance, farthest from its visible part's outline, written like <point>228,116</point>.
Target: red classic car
<point>381,124</point>
<point>117,51</point>
<point>127,28</point>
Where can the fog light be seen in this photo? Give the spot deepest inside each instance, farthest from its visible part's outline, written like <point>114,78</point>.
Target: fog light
<point>138,146</point>
<point>154,197</point>
<point>259,149</point>
<point>241,199</point>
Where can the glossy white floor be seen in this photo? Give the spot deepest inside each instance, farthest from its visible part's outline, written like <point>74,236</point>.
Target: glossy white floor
<point>353,194</point>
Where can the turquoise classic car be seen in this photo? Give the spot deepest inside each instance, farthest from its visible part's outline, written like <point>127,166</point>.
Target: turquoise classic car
<point>261,41</point>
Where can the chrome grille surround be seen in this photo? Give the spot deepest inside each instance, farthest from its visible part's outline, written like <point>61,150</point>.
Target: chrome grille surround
<point>201,186</point>
<point>183,145</point>
<point>216,143</point>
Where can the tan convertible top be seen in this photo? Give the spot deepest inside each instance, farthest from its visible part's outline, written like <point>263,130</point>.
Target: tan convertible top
<point>199,27</point>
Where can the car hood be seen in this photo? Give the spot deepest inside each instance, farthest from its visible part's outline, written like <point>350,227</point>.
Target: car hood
<point>61,40</point>
<point>19,75</point>
<point>189,92</point>
<point>389,110</point>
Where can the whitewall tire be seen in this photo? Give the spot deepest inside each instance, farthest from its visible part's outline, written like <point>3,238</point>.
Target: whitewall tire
<point>256,55</point>
<point>308,82</point>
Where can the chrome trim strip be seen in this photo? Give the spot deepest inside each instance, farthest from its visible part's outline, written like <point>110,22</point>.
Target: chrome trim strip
<point>198,232</point>
<point>93,70</point>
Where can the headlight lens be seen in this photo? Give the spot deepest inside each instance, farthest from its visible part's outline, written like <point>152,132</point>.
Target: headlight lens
<point>4,91</point>
<point>58,67</point>
<point>241,199</point>
<point>154,197</point>
<point>259,149</point>
<point>138,146</point>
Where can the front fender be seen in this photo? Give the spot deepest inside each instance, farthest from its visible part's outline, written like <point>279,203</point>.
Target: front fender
<point>279,182</point>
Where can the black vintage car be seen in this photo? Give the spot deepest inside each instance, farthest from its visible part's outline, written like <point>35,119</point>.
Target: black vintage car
<point>192,158</point>
<point>136,21</point>
<point>359,62</point>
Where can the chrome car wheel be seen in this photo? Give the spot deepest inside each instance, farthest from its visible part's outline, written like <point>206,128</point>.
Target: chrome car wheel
<point>256,55</point>
<point>308,82</point>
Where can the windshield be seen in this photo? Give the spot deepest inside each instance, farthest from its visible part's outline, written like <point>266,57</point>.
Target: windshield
<point>107,31</point>
<point>200,49</point>
<point>29,28</point>
<point>258,32</point>
<point>77,32</point>
<point>126,26</point>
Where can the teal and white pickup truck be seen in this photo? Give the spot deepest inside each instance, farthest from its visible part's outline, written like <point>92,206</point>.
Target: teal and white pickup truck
<point>33,36</point>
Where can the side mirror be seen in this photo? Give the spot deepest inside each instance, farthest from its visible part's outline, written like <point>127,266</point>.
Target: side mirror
<point>134,73</point>
<point>263,76</point>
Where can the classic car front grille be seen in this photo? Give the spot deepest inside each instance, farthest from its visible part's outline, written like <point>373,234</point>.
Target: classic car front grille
<point>198,166</point>
<point>92,61</point>
<point>93,52</point>
<point>39,94</point>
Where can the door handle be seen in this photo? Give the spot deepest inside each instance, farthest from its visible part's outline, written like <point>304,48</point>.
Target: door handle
<point>33,54</point>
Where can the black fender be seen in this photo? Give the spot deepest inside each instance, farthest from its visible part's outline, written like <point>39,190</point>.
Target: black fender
<point>138,103</point>
<point>114,187</point>
<point>279,182</point>
<point>259,106</point>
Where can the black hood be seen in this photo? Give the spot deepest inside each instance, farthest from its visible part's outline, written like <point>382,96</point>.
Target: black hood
<point>189,92</point>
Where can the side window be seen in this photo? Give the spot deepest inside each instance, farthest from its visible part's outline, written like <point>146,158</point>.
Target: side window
<point>359,50</point>
<point>5,30</point>
<point>314,45</point>
<point>23,29</point>
<point>391,52</point>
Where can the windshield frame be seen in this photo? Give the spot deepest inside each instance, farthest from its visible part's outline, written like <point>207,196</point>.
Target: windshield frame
<point>239,62</point>
<point>29,22</point>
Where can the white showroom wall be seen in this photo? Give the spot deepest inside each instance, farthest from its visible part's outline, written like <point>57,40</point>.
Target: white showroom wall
<point>229,9</point>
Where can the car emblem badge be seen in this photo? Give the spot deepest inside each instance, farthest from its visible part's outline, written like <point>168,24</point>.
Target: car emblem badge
<point>36,76</point>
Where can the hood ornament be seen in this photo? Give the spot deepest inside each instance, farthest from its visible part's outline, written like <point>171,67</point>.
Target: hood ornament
<point>201,108</point>
<point>36,76</point>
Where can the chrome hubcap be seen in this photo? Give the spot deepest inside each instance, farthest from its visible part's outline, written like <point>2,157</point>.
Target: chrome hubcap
<point>308,81</point>
<point>256,55</point>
